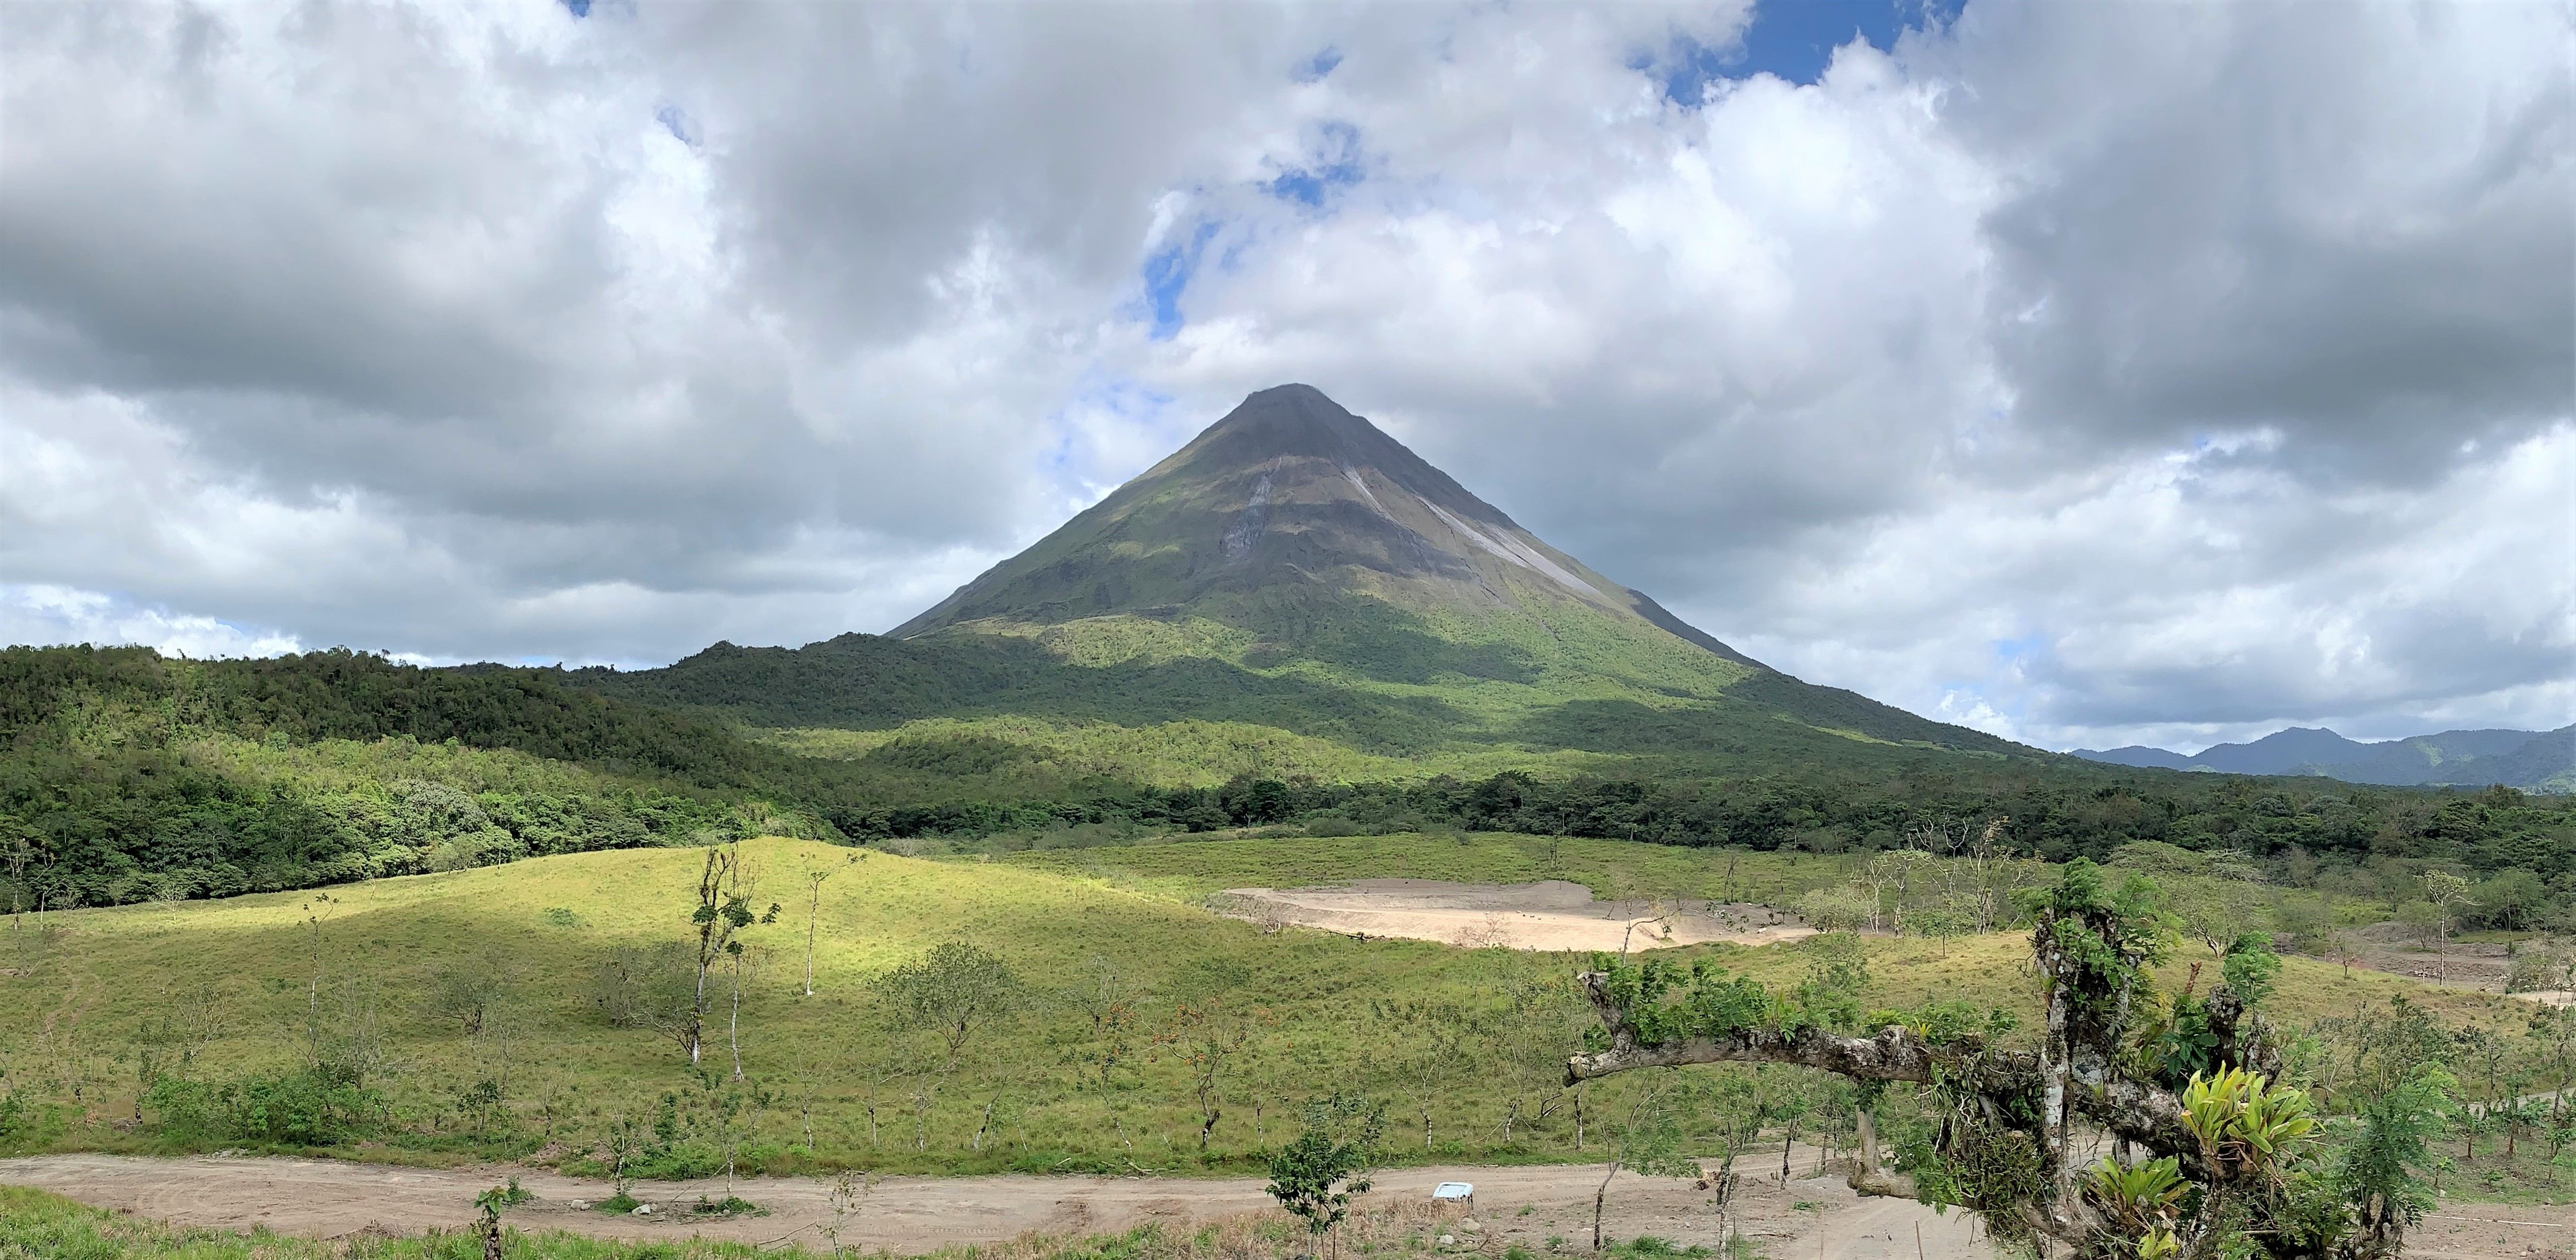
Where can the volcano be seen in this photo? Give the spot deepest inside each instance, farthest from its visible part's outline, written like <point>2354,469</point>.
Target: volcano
<point>1294,569</point>
<point>1290,494</point>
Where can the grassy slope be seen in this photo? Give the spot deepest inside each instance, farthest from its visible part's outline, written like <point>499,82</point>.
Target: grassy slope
<point>119,965</point>
<point>1054,917</point>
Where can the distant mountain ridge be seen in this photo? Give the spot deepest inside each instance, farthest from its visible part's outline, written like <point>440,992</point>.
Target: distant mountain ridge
<point>2534,760</point>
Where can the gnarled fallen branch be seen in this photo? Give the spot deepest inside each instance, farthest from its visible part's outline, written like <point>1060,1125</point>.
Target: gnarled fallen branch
<point>2148,1116</point>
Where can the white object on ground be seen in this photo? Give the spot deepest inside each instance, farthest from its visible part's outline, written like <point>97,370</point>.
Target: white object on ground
<point>1458,1190</point>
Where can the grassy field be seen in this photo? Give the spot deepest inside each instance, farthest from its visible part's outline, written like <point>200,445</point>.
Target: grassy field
<point>383,949</point>
<point>1127,983</point>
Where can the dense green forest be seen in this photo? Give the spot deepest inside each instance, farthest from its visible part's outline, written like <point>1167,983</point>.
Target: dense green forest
<point>2300,831</point>
<point>128,777</point>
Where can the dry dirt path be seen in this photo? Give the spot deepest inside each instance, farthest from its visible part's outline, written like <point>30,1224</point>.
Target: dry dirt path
<point>1818,1217</point>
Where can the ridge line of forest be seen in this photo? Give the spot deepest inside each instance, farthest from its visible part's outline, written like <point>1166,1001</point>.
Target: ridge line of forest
<point>128,776</point>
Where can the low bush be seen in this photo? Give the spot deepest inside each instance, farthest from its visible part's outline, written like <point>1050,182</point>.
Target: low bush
<point>308,1107</point>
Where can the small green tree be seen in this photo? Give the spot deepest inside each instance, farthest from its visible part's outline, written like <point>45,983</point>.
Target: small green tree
<point>723,908</point>
<point>952,991</point>
<point>1315,1176</point>
<point>849,1194</point>
<point>624,1138</point>
<point>488,1224</point>
<point>2554,1027</point>
<point>2250,967</point>
<point>2384,1169</point>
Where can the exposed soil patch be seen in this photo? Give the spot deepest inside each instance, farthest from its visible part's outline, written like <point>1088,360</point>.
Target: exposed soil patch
<point>2458,964</point>
<point>910,1215</point>
<point>2487,1231</point>
<point>1551,915</point>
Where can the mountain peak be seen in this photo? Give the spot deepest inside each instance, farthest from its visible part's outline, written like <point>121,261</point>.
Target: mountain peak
<point>1288,491</point>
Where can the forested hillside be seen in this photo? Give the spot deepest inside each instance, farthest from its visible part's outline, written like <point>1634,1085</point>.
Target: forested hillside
<point>127,776</point>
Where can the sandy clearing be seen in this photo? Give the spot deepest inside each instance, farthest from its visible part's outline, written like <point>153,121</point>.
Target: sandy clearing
<point>909,1215</point>
<point>1551,915</point>
<point>2487,1231</point>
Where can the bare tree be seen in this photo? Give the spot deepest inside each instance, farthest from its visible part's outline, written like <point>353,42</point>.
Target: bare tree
<point>1645,1137</point>
<point>2448,893</point>
<point>744,963</point>
<point>317,911</point>
<point>814,876</point>
<point>1205,1036</point>
<point>849,1194</point>
<point>1436,1036</point>
<point>467,992</point>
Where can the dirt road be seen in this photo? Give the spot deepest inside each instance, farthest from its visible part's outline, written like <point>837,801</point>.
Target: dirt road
<point>1525,1206</point>
<point>1548,915</point>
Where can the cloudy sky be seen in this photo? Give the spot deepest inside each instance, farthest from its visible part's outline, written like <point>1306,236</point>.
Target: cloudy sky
<point>2087,373</point>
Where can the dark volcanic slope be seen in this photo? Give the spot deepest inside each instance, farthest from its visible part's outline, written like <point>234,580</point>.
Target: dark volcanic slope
<point>1290,490</point>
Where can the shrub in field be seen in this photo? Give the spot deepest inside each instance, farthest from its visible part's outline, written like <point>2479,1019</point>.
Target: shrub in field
<point>306,1107</point>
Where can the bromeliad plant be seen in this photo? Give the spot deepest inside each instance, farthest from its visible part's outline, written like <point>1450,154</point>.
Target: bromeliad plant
<point>2137,1200</point>
<point>2248,1128</point>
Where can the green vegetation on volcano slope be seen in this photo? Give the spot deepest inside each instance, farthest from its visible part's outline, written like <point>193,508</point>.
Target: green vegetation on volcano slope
<point>294,1022</point>
<point>1363,675</point>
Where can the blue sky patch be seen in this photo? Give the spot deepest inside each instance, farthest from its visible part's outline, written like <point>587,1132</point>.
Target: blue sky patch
<point>1792,39</point>
<point>1167,272</point>
<point>1337,166</point>
<point>1316,67</point>
<point>677,121</point>
<point>577,8</point>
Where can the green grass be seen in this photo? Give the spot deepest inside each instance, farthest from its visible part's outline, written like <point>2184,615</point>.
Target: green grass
<point>1314,1006</point>
<point>383,944</point>
<point>2528,1177</point>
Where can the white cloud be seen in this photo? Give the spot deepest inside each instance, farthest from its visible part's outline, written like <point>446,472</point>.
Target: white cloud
<point>55,614</point>
<point>2080,372</point>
